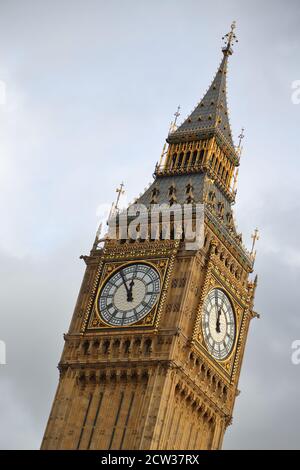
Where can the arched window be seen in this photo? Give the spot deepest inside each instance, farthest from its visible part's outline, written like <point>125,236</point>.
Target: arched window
<point>180,159</point>
<point>201,155</point>
<point>127,346</point>
<point>187,159</point>
<point>106,345</point>
<point>154,196</point>
<point>173,161</point>
<point>194,158</point>
<point>147,346</point>
<point>172,190</point>
<point>85,347</point>
<point>189,188</point>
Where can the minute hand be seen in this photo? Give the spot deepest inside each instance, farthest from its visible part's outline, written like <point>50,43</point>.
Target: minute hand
<point>124,282</point>
<point>218,330</point>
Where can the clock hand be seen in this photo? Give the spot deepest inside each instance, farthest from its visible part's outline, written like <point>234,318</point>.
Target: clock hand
<point>124,282</point>
<point>218,324</point>
<point>129,292</point>
<point>128,289</point>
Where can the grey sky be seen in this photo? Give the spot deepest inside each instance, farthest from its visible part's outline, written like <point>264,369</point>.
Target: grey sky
<point>91,89</point>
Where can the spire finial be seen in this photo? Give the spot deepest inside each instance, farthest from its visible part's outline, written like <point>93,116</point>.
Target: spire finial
<point>229,39</point>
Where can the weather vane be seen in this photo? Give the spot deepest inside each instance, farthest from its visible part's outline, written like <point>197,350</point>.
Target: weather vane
<point>229,39</point>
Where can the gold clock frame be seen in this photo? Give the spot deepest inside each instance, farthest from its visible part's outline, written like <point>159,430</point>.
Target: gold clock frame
<point>163,267</point>
<point>221,288</point>
<point>229,365</point>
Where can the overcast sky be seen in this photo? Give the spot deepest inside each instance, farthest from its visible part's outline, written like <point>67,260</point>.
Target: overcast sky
<point>91,87</point>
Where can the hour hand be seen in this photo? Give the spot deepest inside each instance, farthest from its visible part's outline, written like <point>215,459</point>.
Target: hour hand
<point>129,292</point>
<point>218,324</point>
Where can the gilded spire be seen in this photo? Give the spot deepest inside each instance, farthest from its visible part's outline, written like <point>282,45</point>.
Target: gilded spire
<point>210,117</point>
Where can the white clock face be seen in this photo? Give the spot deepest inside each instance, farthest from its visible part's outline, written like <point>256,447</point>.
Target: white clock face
<point>218,324</point>
<point>129,295</point>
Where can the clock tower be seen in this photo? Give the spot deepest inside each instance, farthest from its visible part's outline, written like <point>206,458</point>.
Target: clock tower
<point>154,350</point>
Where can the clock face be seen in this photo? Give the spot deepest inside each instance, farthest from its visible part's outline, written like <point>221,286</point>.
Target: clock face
<point>218,324</point>
<point>129,295</point>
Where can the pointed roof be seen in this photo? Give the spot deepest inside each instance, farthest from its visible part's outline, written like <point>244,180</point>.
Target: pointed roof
<point>211,115</point>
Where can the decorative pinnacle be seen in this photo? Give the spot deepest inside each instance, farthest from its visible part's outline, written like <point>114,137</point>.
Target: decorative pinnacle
<point>98,238</point>
<point>173,125</point>
<point>163,153</point>
<point>99,230</point>
<point>239,148</point>
<point>235,180</point>
<point>120,191</point>
<point>177,114</point>
<point>115,205</point>
<point>241,136</point>
<point>229,39</point>
<point>255,238</point>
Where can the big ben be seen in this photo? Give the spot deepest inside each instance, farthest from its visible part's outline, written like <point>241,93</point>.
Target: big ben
<point>154,351</point>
